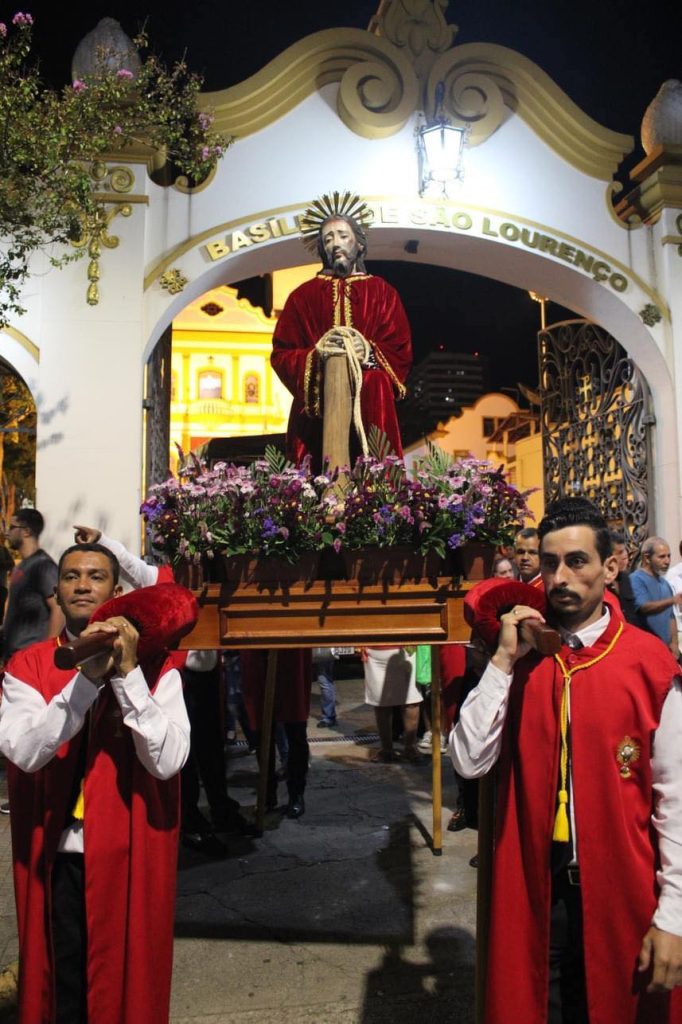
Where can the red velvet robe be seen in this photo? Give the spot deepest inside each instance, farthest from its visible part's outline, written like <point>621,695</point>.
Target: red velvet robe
<point>620,696</point>
<point>373,307</point>
<point>131,834</point>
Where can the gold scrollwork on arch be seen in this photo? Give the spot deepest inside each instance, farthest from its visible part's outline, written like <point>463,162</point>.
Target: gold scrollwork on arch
<point>376,97</point>
<point>471,99</point>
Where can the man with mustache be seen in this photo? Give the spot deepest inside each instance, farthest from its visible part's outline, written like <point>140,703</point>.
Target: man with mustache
<point>343,295</point>
<point>586,918</point>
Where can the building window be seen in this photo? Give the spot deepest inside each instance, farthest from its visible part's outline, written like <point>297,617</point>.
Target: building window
<point>210,384</point>
<point>251,389</point>
<point>489,425</point>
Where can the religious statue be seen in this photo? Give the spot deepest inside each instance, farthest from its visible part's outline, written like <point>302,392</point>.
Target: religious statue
<point>345,320</point>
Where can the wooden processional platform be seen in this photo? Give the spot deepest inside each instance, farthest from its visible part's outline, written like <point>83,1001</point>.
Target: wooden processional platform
<point>333,613</point>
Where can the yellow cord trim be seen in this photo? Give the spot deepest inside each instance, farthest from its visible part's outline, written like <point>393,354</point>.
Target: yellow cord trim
<point>561,832</point>
<point>311,386</point>
<point>386,366</point>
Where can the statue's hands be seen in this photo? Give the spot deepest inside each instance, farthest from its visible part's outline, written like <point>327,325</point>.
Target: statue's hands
<point>334,343</point>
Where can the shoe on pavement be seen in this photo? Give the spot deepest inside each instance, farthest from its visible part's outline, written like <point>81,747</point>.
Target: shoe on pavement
<point>296,806</point>
<point>4,808</point>
<point>326,723</point>
<point>474,861</point>
<point>206,843</point>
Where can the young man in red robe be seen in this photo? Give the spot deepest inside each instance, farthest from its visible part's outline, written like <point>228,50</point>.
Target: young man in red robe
<point>343,295</point>
<point>94,790</point>
<point>586,903</point>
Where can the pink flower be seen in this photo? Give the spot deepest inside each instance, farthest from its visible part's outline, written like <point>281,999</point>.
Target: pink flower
<point>118,130</point>
<point>78,86</point>
<point>124,73</point>
<point>205,121</point>
<point>205,152</point>
<point>3,30</point>
<point>22,19</point>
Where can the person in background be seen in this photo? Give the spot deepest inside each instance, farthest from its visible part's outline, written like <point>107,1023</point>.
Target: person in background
<point>674,578</point>
<point>323,671</point>
<point>6,567</point>
<point>390,682</point>
<point>654,598</point>
<point>527,556</point>
<point>503,568</point>
<point>621,586</point>
<point>32,612</point>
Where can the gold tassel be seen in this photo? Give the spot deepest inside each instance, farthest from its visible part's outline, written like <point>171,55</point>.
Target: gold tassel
<point>78,811</point>
<point>561,830</point>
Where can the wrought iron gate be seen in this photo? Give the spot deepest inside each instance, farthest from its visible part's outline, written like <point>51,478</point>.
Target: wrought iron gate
<point>157,411</point>
<point>596,419</point>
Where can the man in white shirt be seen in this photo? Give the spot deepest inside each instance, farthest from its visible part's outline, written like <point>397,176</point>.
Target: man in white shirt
<point>94,789</point>
<point>586,921</point>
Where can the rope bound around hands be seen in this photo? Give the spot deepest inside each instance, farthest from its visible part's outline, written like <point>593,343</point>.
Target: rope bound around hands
<point>348,336</point>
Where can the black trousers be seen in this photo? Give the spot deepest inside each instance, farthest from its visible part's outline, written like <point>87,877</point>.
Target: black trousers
<point>567,994</point>
<point>69,939</point>
<point>297,761</point>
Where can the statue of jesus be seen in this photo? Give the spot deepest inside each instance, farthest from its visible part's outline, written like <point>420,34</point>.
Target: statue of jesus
<point>342,308</point>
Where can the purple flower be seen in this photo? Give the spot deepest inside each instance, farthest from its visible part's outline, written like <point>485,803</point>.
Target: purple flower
<point>205,152</point>
<point>118,130</point>
<point>337,545</point>
<point>205,120</point>
<point>78,85</point>
<point>22,19</point>
<point>124,73</point>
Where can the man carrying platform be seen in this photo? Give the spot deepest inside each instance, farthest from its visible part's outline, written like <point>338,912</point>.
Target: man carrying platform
<point>94,789</point>
<point>586,903</point>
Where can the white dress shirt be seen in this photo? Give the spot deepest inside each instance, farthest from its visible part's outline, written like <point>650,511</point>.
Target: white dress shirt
<point>476,740</point>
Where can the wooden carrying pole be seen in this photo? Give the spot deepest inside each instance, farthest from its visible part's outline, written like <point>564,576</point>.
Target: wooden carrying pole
<point>338,411</point>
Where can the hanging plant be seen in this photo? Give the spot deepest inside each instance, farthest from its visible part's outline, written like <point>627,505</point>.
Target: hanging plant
<point>49,139</point>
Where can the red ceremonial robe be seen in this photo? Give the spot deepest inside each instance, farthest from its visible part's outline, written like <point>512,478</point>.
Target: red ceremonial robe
<point>373,307</point>
<point>619,697</point>
<point>130,837</point>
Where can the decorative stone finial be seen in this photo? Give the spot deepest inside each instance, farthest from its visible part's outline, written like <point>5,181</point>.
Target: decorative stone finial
<point>662,121</point>
<point>106,47</point>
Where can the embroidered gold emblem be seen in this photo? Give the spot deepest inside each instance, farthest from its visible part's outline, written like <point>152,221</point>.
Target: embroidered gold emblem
<point>627,752</point>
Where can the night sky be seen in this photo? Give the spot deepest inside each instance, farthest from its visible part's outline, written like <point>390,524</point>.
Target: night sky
<point>610,57</point>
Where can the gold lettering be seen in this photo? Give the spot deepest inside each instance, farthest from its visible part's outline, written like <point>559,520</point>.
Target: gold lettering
<point>389,214</point>
<point>240,241</point>
<point>216,250</point>
<point>487,230</point>
<point>566,252</point>
<point>419,216</point>
<point>301,221</point>
<point>260,232</point>
<point>439,218</point>
<point>274,227</point>
<point>526,239</point>
<point>286,229</point>
<point>462,221</point>
<point>548,244</point>
<point>510,232</point>
<point>618,282</point>
<point>582,261</point>
<point>600,270</point>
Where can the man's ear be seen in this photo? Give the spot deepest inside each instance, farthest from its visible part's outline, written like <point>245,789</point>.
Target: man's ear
<point>610,569</point>
<point>118,590</point>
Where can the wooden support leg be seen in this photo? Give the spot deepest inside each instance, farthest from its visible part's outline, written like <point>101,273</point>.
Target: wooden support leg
<point>266,738</point>
<point>436,766</point>
<point>486,818</point>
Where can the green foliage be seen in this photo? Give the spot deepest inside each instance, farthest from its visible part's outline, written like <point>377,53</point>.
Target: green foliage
<point>49,138</point>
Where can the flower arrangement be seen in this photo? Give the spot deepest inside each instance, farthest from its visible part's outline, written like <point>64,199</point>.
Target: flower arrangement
<point>51,136</point>
<point>271,509</point>
<point>276,509</point>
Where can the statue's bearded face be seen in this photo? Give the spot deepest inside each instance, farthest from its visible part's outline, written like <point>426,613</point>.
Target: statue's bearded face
<point>341,247</point>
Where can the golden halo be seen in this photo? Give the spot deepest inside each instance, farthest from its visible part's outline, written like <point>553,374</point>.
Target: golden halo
<point>336,204</point>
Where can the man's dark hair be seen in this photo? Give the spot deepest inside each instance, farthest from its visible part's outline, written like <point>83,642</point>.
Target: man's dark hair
<point>528,533</point>
<point>100,549</point>
<point>617,537</point>
<point>577,512</point>
<point>360,237</point>
<point>30,519</point>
